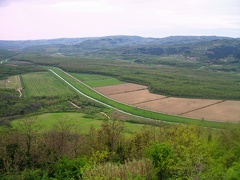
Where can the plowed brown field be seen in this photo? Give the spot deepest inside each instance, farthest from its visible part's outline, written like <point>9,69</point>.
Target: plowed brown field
<point>226,111</point>
<point>121,88</point>
<point>177,106</point>
<point>138,95</point>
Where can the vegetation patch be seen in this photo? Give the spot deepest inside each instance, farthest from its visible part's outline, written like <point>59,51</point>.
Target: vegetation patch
<point>44,84</point>
<point>76,122</point>
<point>94,80</point>
<point>12,82</point>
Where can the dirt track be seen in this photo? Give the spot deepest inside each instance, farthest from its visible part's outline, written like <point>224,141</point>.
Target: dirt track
<point>139,95</point>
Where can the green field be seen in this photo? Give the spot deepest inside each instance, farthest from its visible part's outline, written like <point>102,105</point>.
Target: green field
<point>94,80</point>
<point>78,123</point>
<point>44,84</point>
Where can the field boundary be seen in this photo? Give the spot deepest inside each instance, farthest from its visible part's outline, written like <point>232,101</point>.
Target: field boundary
<point>150,100</point>
<point>19,89</point>
<point>203,107</point>
<point>126,92</point>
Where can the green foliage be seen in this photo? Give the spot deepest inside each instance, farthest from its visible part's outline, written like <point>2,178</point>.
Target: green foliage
<point>233,172</point>
<point>12,105</point>
<point>27,174</point>
<point>93,80</point>
<point>7,70</point>
<point>66,168</point>
<point>5,54</point>
<point>169,152</point>
<point>134,170</point>
<point>163,159</point>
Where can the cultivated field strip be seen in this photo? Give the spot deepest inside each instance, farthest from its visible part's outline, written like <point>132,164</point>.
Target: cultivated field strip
<point>226,111</point>
<point>121,88</point>
<point>44,84</point>
<point>87,91</point>
<point>136,97</point>
<point>221,101</point>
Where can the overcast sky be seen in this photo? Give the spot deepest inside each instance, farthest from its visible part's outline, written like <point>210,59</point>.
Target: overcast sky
<point>45,19</point>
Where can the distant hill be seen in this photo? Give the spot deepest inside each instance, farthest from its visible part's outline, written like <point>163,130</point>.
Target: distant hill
<point>213,50</point>
<point>186,39</point>
<point>111,42</point>
<point>4,54</point>
<point>30,43</point>
<point>108,41</point>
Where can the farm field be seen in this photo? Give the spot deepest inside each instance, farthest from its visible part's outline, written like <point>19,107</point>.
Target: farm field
<point>136,97</point>
<point>13,82</point>
<point>77,122</point>
<point>121,88</point>
<point>44,84</point>
<point>177,106</point>
<point>216,110</point>
<point>227,111</point>
<point>94,80</point>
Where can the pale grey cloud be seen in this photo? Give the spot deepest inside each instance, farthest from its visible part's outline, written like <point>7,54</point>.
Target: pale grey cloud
<point>33,19</point>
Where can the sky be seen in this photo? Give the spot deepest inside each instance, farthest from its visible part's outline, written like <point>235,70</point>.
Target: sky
<point>48,19</point>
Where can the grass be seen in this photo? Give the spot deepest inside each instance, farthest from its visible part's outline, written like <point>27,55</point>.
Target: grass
<point>94,80</point>
<point>10,83</point>
<point>78,122</point>
<point>44,84</point>
<point>136,111</point>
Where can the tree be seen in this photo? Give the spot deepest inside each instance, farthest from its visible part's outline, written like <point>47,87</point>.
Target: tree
<point>28,128</point>
<point>163,159</point>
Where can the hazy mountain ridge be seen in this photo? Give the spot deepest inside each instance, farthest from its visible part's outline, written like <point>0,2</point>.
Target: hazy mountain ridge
<point>108,41</point>
<point>213,50</point>
<point>29,43</point>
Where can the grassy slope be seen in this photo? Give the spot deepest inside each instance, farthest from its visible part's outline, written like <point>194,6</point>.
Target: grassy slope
<point>44,84</point>
<point>134,110</point>
<point>78,122</point>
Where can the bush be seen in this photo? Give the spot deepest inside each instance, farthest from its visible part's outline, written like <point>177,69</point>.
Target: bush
<point>162,157</point>
<point>67,168</point>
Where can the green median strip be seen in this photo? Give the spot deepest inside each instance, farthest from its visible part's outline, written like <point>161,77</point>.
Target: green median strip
<point>82,88</point>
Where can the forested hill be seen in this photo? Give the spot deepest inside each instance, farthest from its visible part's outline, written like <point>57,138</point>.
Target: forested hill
<point>203,50</point>
<point>108,41</point>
